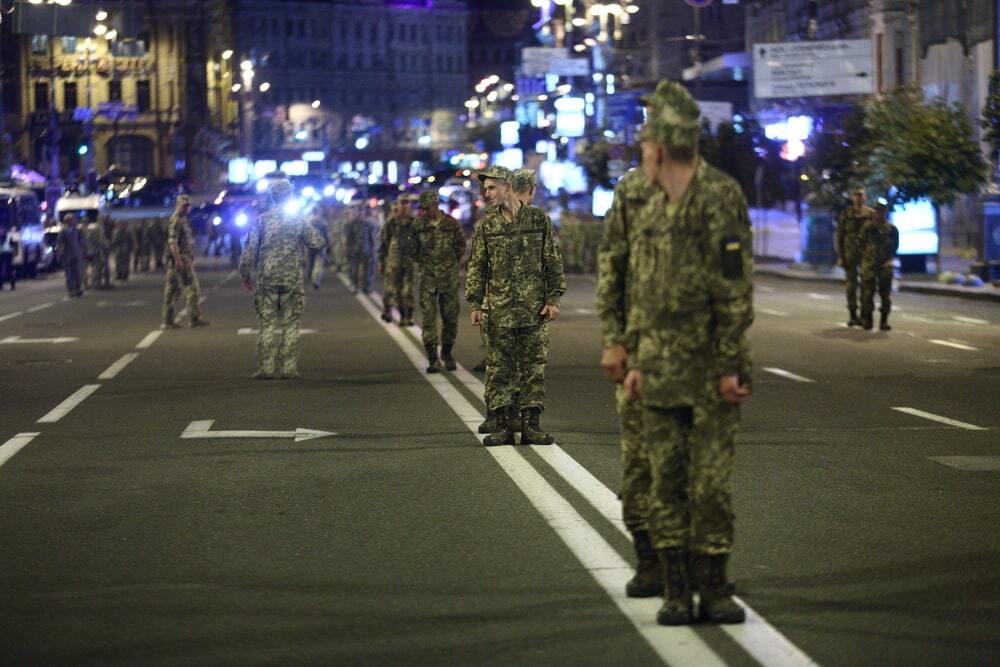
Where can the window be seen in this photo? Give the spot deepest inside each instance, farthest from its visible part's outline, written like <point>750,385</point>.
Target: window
<point>878,63</point>
<point>413,32</point>
<point>302,28</point>
<point>69,95</point>
<point>357,30</point>
<point>142,95</point>
<point>69,45</point>
<point>39,44</point>
<point>41,96</point>
<point>115,90</point>
<point>358,62</point>
<point>289,28</point>
<point>130,48</point>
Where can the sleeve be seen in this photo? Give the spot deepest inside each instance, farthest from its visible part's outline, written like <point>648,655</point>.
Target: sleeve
<point>312,238</point>
<point>248,260</point>
<point>555,278</point>
<point>731,289</point>
<point>475,281</point>
<point>385,237</point>
<point>612,267</point>
<point>838,236</point>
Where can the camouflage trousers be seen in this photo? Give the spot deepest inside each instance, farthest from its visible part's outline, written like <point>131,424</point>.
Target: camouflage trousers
<point>359,269</point>
<point>879,280</point>
<point>636,477</point>
<point>99,274</point>
<point>691,462</point>
<point>399,284</point>
<point>123,259</point>
<point>279,315</point>
<point>179,280</point>
<point>434,302</point>
<point>851,282</point>
<point>515,366</point>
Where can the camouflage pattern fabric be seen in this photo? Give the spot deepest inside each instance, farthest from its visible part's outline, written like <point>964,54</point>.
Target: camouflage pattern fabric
<point>879,243</point>
<point>123,244</point>
<point>97,257</point>
<point>440,245</point>
<point>361,236</point>
<point>516,359</point>
<point>180,278</point>
<point>848,243</point>
<point>397,249</point>
<point>636,474</point>
<point>71,248</point>
<point>142,246</point>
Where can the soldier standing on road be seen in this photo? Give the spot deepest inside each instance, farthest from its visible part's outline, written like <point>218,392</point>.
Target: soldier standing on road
<point>396,260</point>
<point>615,296</point>
<point>142,246</point>
<point>180,267</point>
<point>440,245</point>
<point>359,234</point>
<point>517,268</point>
<point>71,249</point>
<point>123,243</point>
<point>97,256</point>
<point>272,265</point>
<point>879,243</point>
<point>315,260</point>
<point>848,241</point>
<point>158,241</point>
<point>693,306</point>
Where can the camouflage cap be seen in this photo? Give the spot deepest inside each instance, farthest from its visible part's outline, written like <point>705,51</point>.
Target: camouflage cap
<point>495,171</point>
<point>672,116</point>
<point>280,188</point>
<point>428,199</point>
<point>523,180</point>
<point>181,200</point>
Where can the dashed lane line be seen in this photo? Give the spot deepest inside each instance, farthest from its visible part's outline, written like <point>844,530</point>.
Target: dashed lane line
<point>10,316</point>
<point>969,320</point>
<point>149,339</point>
<point>116,368</point>
<point>14,445</point>
<point>939,419</point>
<point>819,297</point>
<point>786,374</point>
<point>770,311</point>
<point>43,306</point>
<point>958,345</point>
<point>64,408</point>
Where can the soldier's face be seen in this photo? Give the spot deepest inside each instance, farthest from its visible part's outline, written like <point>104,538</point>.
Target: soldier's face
<point>185,209</point>
<point>651,159</point>
<point>858,197</point>
<point>494,191</point>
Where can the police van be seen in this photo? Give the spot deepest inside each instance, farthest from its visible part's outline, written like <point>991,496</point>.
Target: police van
<point>19,209</point>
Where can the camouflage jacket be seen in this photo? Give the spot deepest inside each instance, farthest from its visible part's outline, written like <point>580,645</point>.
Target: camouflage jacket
<point>275,249</point>
<point>516,266</point>
<point>690,267</point>
<point>97,247</point>
<point>615,262</point>
<point>179,232</point>
<point>124,238</point>
<point>440,244</point>
<point>849,226</point>
<point>398,241</point>
<point>360,236</point>
<point>879,243</point>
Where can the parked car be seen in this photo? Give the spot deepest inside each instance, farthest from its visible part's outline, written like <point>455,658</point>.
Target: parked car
<point>19,208</point>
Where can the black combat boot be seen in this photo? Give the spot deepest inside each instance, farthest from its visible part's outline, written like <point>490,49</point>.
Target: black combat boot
<point>168,320</point>
<point>853,320</point>
<point>648,581</point>
<point>480,367</point>
<point>504,435</point>
<point>883,324</point>
<point>531,432</point>
<point>387,313</point>
<point>490,425</point>
<point>432,359</point>
<point>714,590</point>
<point>406,318</point>
<point>676,608</point>
<point>449,361</point>
<point>867,322</point>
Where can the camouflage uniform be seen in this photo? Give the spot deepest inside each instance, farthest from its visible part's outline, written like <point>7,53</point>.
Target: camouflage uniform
<point>142,246</point>
<point>274,257</point>
<point>158,241</point>
<point>123,243</point>
<point>396,255</point>
<point>848,241</point>
<point>180,278</point>
<point>360,236</point>
<point>97,257</point>
<point>439,247</point>
<point>879,243</point>
<point>71,249</point>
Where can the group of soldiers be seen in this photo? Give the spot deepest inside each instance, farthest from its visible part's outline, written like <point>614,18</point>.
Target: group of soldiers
<point>866,243</point>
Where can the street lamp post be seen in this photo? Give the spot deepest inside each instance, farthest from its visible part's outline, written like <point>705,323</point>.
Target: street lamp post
<point>246,109</point>
<point>89,58</point>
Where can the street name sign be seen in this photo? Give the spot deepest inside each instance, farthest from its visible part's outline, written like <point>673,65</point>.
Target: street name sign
<point>813,69</point>
<point>542,60</point>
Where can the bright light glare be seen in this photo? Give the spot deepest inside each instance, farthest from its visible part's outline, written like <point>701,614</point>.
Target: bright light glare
<point>308,191</point>
<point>101,15</point>
<point>329,191</point>
<point>242,220</point>
<point>216,221</point>
<point>292,206</point>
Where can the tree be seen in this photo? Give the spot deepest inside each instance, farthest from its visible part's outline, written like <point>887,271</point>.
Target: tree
<point>991,118</point>
<point>835,162</point>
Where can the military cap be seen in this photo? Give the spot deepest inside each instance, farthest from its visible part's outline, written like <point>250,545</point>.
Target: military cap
<point>672,116</point>
<point>280,188</point>
<point>494,171</point>
<point>428,199</point>
<point>523,180</point>
<point>182,199</point>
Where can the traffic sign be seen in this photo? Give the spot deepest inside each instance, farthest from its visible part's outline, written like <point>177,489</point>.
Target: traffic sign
<point>811,69</point>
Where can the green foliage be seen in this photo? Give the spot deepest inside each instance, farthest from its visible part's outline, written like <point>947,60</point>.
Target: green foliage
<point>835,162</point>
<point>733,153</point>
<point>991,116</point>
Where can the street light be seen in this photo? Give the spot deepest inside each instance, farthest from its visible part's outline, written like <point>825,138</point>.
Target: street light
<point>101,15</point>
<point>264,87</point>
<point>315,104</point>
<point>227,54</point>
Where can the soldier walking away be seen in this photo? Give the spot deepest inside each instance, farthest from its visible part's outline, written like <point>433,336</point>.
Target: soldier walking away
<point>316,260</point>
<point>879,243</point>
<point>71,250</point>
<point>8,249</point>
<point>97,256</point>
<point>693,305</point>
<point>123,243</point>
<point>615,293</point>
<point>517,268</point>
<point>359,235</point>
<point>440,245</point>
<point>848,242</point>
<point>142,247</point>
<point>396,261</point>
<point>180,267</point>
<point>272,266</point>
<point>158,241</point>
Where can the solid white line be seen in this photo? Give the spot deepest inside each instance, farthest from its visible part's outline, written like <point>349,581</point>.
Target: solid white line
<point>768,311</point>
<point>116,368</point>
<point>67,406</point>
<point>149,339</point>
<point>764,288</point>
<point>14,445</point>
<point>43,306</point>
<point>970,320</point>
<point>786,374</point>
<point>10,316</point>
<point>940,419</point>
<point>820,297</point>
<point>951,343</point>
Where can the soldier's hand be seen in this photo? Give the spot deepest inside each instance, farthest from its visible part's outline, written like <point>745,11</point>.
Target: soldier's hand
<point>476,316</point>
<point>247,284</point>
<point>732,391</point>
<point>550,312</point>
<point>633,385</point>
<point>613,360</point>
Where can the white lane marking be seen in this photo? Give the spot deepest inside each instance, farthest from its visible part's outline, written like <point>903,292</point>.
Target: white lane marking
<point>955,344</point>
<point>64,408</point>
<point>10,316</point>
<point>43,306</point>
<point>969,463</point>
<point>819,297</point>
<point>17,340</point>
<point>121,304</point>
<point>940,419</point>
<point>759,638</point>
<point>250,331</point>
<point>14,445</point>
<point>969,320</point>
<point>149,339</point>
<point>583,311</point>
<point>786,374</point>
<point>919,318</point>
<point>226,279</point>
<point>116,368</point>
<point>764,288</point>
<point>769,311</point>
<point>202,429</point>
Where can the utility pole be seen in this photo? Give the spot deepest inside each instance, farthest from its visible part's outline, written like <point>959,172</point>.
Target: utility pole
<point>6,150</point>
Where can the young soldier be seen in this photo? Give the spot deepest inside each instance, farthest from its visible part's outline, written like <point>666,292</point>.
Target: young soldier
<point>180,267</point>
<point>848,242</point>
<point>395,258</point>
<point>879,243</point>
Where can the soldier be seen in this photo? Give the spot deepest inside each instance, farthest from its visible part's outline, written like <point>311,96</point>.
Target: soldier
<point>315,259</point>
<point>440,245</point>
<point>71,249</point>
<point>359,236</point>
<point>272,265</point>
<point>396,261</point>
<point>123,243</point>
<point>180,267</point>
<point>517,269</point>
<point>97,256</point>
<point>158,241</point>
<point>692,308</point>
<point>142,246</point>
<point>879,243</point>
<point>615,295</point>
<point>848,241</point>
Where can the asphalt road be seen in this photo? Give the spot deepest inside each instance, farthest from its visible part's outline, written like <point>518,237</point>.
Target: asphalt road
<point>867,527</point>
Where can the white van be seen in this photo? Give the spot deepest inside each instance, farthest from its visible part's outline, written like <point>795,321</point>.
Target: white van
<point>19,208</point>
<point>88,208</point>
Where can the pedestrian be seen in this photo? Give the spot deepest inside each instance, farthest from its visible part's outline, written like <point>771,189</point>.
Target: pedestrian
<point>517,270</point>
<point>691,272</point>
<point>123,244</point>
<point>272,266</point>
<point>158,241</point>
<point>615,294</point>
<point>848,245</point>
<point>440,245</point>
<point>98,276</point>
<point>397,248</point>
<point>142,246</point>
<point>316,259</point>
<point>8,248</point>
<point>181,276</point>
<point>71,250</point>
<point>879,243</point>
<point>359,236</point>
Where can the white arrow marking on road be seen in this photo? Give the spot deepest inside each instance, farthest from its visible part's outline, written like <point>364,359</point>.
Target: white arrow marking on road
<point>786,374</point>
<point>125,304</point>
<point>17,340</point>
<point>958,345</point>
<point>250,331</point>
<point>970,320</point>
<point>202,429</point>
<point>940,419</point>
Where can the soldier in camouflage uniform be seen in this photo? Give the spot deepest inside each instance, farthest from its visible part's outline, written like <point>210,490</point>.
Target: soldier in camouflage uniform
<point>360,236</point>
<point>396,260</point>
<point>180,267</point>
<point>123,244</point>
<point>614,297</point>
<point>516,270</point>
<point>158,241</point>
<point>692,308</point>
<point>440,245</point>
<point>879,243</point>
<point>848,242</point>
<point>272,265</point>
<point>97,256</point>
<point>142,246</point>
